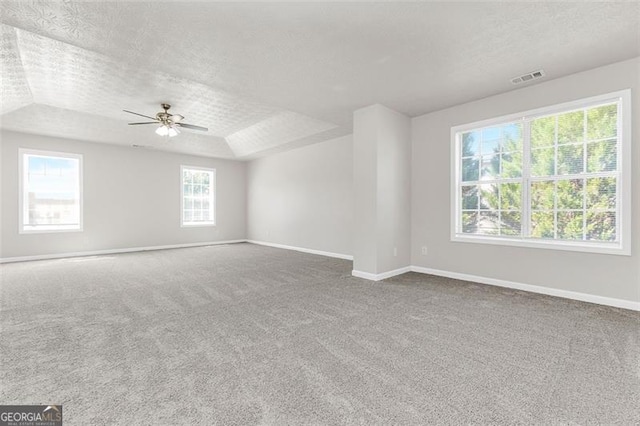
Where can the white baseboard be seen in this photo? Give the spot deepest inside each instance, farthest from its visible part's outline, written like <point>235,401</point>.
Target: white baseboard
<point>382,276</point>
<point>584,297</point>
<point>113,251</point>
<point>302,249</point>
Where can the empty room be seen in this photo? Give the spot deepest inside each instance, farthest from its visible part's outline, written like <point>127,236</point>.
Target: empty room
<point>319,213</point>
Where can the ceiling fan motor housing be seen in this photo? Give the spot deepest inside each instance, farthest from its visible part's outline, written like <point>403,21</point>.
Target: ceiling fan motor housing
<point>164,117</point>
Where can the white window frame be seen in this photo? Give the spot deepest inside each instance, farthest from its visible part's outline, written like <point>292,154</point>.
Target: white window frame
<point>212,185</point>
<point>623,210</point>
<point>23,203</point>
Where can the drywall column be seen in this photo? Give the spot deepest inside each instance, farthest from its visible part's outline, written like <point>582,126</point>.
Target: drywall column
<point>382,192</point>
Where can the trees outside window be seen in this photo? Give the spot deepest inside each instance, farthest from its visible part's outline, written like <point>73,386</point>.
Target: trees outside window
<point>552,177</point>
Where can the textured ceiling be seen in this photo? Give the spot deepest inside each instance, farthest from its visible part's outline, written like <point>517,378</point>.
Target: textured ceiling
<point>13,81</point>
<point>271,76</point>
<point>54,88</point>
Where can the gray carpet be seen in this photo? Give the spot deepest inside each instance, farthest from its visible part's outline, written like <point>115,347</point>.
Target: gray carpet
<point>243,334</point>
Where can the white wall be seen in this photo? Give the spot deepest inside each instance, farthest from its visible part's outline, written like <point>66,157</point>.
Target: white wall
<point>382,185</point>
<point>303,197</point>
<point>131,199</point>
<point>394,191</point>
<point>603,275</point>
<point>365,175</point>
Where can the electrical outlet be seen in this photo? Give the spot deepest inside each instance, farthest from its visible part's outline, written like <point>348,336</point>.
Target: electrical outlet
<point>424,250</point>
<point>395,251</point>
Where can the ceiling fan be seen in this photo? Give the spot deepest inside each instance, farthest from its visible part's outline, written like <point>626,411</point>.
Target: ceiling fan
<point>169,123</point>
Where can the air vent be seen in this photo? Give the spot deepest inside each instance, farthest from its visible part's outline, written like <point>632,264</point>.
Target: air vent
<point>528,77</point>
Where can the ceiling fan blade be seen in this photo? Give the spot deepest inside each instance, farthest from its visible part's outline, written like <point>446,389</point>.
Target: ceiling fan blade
<point>176,118</point>
<point>146,122</point>
<point>141,115</point>
<point>191,126</point>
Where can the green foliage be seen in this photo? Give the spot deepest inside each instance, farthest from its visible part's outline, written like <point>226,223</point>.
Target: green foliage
<point>570,159</point>
<point>601,226</point>
<point>601,193</point>
<point>470,169</point>
<point>570,225</point>
<point>542,195</point>
<point>571,127</point>
<point>512,140</point>
<point>470,145</point>
<point>470,222</point>
<point>542,224</point>
<point>569,209</point>
<point>490,166</point>
<point>492,153</point>
<point>543,132</point>
<point>569,194</point>
<point>470,197</point>
<point>602,156</point>
<point>543,161</point>
<point>489,197</point>
<point>511,165</point>
<point>511,196</point>
<point>602,122</point>
<point>511,223</point>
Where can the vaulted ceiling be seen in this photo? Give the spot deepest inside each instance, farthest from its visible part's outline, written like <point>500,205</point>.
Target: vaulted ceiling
<point>266,77</point>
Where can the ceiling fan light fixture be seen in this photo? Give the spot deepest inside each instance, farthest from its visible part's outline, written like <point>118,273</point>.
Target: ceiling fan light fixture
<point>162,130</point>
<point>169,123</point>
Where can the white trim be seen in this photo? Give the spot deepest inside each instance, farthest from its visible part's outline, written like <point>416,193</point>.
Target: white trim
<point>525,199</point>
<point>302,249</point>
<point>455,191</point>
<point>581,246</point>
<point>113,251</point>
<point>624,161</point>
<point>364,275</point>
<point>583,297</point>
<point>198,224</point>
<point>382,276</point>
<point>23,204</point>
<point>547,110</point>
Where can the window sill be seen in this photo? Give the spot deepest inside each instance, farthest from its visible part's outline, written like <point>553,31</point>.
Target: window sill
<point>48,230</point>
<point>579,246</point>
<point>197,225</point>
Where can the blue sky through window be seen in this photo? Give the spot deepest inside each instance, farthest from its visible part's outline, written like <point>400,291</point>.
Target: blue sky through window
<point>53,177</point>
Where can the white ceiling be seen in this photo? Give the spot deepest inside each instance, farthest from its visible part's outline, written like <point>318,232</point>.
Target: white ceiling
<point>266,77</point>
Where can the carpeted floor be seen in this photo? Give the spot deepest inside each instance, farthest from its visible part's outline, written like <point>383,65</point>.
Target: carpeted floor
<point>244,334</point>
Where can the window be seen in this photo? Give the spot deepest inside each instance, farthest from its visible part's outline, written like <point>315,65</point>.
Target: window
<point>51,191</point>
<point>198,201</point>
<point>556,177</point>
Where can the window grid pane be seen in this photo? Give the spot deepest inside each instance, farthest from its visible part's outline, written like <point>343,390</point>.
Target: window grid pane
<point>51,192</point>
<point>491,176</point>
<point>572,180</point>
<point>198,193</point>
